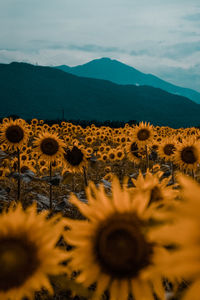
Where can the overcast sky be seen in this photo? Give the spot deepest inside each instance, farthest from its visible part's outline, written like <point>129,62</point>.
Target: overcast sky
<point>161,37</point>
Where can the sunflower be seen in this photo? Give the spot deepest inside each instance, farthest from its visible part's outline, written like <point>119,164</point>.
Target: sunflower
<point>119,153</point>
<point>133,152</point>
<point>112,155</point>
<point>143,133</point>
<point>103,156</point>
<point>26,166</point>
<point>187,155</point>
<point>167,148</point>
<point>112,247</point>
<point>155,187</point>
<point>74,159</point>
<point>89,139</point>
<point>184,261</point>
<point>28,252</point>
<point>14,134</point>
<point>49,146</point>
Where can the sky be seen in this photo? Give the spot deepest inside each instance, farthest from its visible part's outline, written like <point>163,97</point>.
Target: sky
<point>154,36</point>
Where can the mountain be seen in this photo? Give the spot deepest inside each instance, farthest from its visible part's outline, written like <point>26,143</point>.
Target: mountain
<point>117,72</point>
<point>44,92</point>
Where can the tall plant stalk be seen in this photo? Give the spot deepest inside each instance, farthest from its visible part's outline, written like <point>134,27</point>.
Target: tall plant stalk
<point>85,176</point>
<point>19,175</point>
<point>50,187</point>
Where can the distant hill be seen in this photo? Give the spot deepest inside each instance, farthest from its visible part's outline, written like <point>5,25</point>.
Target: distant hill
<point>43,92</point>
<point>117,72</point>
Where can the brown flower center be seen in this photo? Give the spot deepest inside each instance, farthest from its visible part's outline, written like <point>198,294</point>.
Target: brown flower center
<point>188,155</point>
<point>49,146</point>
<point>24,169</point>
<point>169,149</point>
<point>111,155</point>
<point>121,248</point>
<point>119,154</point>
<point>18,261</point>
<point>74,157</point>
<point>143,134</point>
<point>14,134</point>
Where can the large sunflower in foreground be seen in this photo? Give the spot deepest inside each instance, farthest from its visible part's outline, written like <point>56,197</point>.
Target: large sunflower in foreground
<point>14,133</point>
<point>184,261</point>
<point>28,252</point>
<point>113,247</point>
<point>49,146</point>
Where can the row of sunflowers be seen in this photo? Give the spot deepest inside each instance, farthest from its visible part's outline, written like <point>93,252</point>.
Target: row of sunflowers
<point>135,238</point>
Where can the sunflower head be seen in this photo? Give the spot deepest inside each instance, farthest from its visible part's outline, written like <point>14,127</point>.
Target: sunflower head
<point>117,239</point>
<point>75,158</point>
<point>143,133</point>
<point>17,256</point>
<point>114,246</point>
<point>187,155</point>
<point>28,252</point>
<point>14,133</point>
<point>49,146</point>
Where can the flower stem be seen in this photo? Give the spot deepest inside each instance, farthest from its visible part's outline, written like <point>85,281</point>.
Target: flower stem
<point>19,178</point>
<point>85,176</point>
<point>50,187</point>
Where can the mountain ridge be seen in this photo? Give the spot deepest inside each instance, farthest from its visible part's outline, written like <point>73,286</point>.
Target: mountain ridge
<point>44,92</point>
<point>120,73</point>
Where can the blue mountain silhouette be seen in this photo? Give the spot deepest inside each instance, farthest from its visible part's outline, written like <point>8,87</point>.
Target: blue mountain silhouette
<point>117,72</point>
<point>34,91</point>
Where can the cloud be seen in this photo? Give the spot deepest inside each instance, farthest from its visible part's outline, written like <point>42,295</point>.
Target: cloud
<point>182,50</point>
<point>193,18</point>
<point>177,51</point>
<point>94,48</point>
<point>189,77</point>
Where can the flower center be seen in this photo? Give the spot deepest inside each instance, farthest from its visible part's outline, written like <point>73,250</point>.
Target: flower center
<point>24,169</point>
<point>74,157</point>
<point>143,134</point>
<point>14,134</point>
<point>121,248</point>
<point>169,149</point>
<point>188,155</point>
<point>49,146</point>
<point>18,261</point>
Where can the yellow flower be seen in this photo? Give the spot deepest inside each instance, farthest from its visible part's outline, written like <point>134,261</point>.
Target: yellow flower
<point>49,146</point>
<point>184,234</point>
<point>14,133</point>
<point>28,252</point>
<point>74,159</point>
<point>155,187</point>
<point>133,152</point>
<point>113,246</point>
<point>187,155</point>
<point>167,148</point>
<point>143,133</point>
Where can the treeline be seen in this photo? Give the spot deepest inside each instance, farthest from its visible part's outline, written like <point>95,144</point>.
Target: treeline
<point>82,123</point>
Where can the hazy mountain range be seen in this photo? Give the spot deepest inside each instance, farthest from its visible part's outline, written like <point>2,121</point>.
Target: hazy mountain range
<point>117,72</point>
<point>44,92</point>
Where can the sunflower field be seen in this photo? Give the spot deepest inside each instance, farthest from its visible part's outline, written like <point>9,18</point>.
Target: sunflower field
<point>99,212</point>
